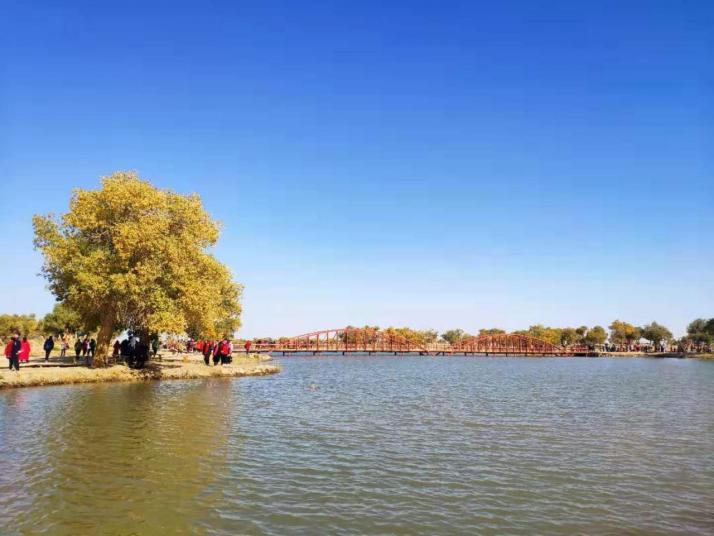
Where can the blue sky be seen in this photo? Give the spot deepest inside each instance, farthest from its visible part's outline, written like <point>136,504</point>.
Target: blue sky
<point>435,164</point>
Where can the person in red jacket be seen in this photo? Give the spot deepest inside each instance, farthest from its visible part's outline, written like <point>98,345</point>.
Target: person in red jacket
<point>12,352</point>
<point>207,350</point>
<point>25,351</point>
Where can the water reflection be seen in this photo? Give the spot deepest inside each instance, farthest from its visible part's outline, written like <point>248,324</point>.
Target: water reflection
<point>116,459</point>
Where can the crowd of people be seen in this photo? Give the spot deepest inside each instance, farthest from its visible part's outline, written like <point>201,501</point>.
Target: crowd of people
<point>218,351</point>
<point>662,347</point>
<point>18,349</point>
<point>213,351</point>
<point>86,348</point>
<point>134,350</point>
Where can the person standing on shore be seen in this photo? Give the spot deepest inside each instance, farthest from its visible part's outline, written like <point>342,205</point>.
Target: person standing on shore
<point>132,346</point>
<point>141,355</point>
<point>117,347</point>
<point>92,347</point>
<point>8,348</point>
<point>47,347</point>
<point>207,349</point>
<point>63,346</point>
<point>155,346</point>
<point>247,347</point>
<point>85,346</point>
<point>12,352</point>
<point>25,350</point>
<point>77,349</point>
<point>224,351</point>
<point>124,350</point>
<point>216,353</point>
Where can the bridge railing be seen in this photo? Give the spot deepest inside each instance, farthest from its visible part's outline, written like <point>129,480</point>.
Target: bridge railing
<point>343,340</point>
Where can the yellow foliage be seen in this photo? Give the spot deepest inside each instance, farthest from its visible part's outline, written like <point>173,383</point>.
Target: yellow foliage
<point>130,255</point>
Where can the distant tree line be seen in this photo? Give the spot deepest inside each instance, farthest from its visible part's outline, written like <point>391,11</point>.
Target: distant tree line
<point>619,334</point>
<point>61,320</point>
<point>26,325</point>
<point>700,332</point>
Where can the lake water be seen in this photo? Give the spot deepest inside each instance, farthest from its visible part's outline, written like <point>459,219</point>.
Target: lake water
<point>379,445</point>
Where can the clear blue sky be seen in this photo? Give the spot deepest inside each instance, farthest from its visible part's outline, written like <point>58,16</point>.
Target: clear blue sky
<point>433,164</point>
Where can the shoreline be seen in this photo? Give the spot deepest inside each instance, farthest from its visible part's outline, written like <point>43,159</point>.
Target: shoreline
<point>184,368</point>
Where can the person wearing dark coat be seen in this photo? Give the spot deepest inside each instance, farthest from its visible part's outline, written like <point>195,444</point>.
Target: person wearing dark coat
<point>125,351</point>
<point>14,352</point>
<point>48,346</point>
<point>133,348</point>
<point>141,353</point>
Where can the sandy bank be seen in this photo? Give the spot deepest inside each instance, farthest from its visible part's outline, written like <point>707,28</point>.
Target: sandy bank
<point>180,368</point>
<point>678,355</point>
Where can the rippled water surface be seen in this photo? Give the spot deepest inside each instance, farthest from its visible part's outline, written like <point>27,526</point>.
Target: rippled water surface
<point>378,445</point>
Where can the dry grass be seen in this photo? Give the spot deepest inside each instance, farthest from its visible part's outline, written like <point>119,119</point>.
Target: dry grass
<point>175,369</point>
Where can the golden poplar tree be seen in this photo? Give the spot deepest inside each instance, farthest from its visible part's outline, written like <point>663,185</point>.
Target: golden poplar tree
<point>133,256</point>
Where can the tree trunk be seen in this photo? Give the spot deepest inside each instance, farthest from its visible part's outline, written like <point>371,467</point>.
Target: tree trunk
<point>104,339</point>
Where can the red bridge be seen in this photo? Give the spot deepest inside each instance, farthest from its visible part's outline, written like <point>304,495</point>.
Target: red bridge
<point>372,341</point>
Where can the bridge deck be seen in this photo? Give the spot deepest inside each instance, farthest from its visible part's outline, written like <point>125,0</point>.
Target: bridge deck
<point>363,351</point>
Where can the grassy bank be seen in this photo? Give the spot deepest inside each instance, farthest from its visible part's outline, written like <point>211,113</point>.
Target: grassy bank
<point>702,356</point>
<point>179,368</point>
